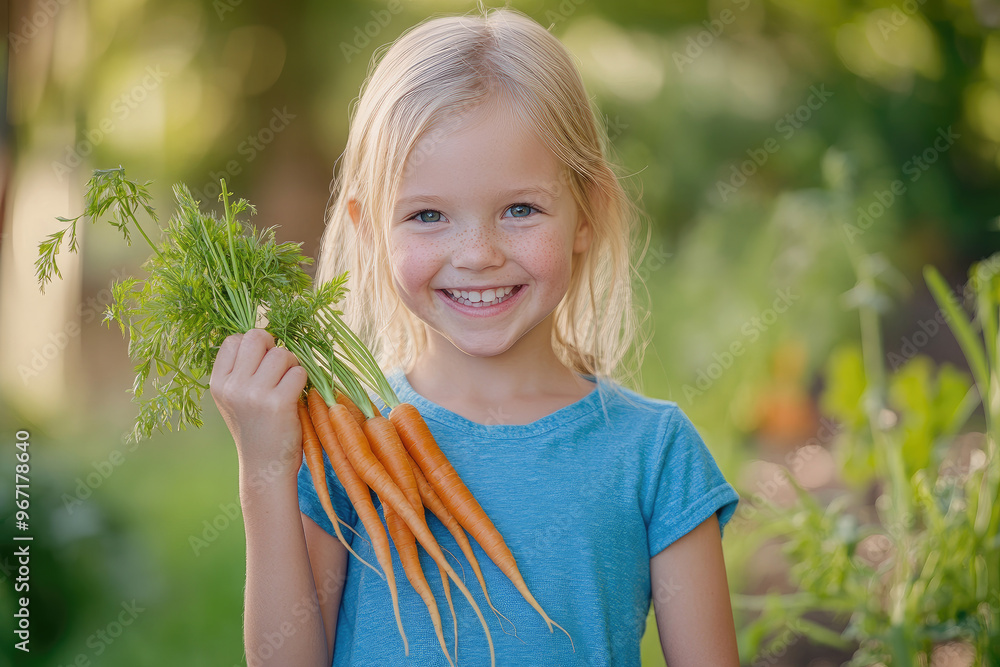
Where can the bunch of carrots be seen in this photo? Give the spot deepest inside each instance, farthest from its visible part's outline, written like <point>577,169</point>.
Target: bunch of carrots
<point>210,277</point>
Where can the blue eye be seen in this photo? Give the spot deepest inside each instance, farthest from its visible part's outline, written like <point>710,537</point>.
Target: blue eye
<point>521,210</point>
<point>428,216</point>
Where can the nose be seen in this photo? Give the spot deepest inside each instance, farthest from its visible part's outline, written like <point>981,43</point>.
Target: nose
<point>478,246</point>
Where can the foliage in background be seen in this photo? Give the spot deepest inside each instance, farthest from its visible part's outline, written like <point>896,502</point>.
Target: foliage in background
<point>920,574</point>
<point>259,93</point>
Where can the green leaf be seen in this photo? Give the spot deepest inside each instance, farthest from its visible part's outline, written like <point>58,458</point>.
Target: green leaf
<point>961,327</point>
<point>845,387</point>
<point>819,634</point>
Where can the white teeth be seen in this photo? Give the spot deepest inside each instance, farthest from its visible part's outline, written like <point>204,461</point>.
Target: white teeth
<point>476,299</point>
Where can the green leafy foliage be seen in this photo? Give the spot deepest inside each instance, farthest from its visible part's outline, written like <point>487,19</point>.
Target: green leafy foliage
<point>925,568</point>
<point>929,409</point>
<point>208,278</point>
<point>843,399</point>
<point>108,192</point>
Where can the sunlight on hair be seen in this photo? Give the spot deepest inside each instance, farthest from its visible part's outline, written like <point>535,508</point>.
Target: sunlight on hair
<point>431,77</point>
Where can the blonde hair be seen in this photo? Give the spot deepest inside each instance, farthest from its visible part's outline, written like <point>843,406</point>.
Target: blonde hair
<point>434,73</point>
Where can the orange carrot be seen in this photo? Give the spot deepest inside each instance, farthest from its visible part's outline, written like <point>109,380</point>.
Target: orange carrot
<point>433,503</point>
<point>360,497</point>
<point>406,547</point>
<point>355,411</point>
<point>451,604</point>
<point>385,444</point>
<point>389,451</point>
<point>387,448</point>
<point>313,451</point>
<point>419,442</point>
<point>374,474</point>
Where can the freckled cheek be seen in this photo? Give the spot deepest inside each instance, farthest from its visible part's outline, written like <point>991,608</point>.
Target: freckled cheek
<point>414,266</point>
<point>547,259</point>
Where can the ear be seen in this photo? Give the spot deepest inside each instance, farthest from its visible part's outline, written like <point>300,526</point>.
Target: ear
<point>583,236</point>
<point>584,228</point>
<point>354,209</point>
<point>584,233</point>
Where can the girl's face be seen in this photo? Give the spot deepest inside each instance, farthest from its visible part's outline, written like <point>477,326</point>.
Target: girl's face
<point>484,232</point>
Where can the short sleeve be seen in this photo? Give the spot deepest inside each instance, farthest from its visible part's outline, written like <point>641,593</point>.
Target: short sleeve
<point>309,500</point>
<point>686,484</point>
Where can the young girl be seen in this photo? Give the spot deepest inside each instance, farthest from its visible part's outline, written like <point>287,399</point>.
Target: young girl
<point>488,241</point>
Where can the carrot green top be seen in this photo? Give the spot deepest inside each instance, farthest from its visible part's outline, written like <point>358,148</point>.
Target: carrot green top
<point>584,497</point>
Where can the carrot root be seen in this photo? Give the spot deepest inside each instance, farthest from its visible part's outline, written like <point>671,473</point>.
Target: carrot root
<point>431,500</point>
<point>443,478</point>
<point>369,468</point>
<point>360,497</point>
<point>451,606</point>
<point>313,451</point>
<point>406,547</point>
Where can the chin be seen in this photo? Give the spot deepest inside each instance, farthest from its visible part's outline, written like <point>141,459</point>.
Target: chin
<point>483,349</point>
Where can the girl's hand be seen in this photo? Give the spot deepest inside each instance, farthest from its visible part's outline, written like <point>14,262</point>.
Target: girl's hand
<point>255,386</point>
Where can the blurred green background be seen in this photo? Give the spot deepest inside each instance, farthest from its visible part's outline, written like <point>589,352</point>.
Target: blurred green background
<point>777,146</point>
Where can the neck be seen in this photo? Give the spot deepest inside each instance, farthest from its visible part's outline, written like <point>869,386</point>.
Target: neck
<point>445,374</point>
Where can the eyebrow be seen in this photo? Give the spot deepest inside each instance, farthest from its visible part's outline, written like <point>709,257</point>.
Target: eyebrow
<point>535,190</point>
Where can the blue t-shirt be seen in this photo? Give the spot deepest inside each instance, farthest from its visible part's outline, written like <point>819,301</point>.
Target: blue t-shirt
<point>584,497</point>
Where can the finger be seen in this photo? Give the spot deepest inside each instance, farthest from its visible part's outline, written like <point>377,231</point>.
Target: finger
<point>253,347</point>
<point>225,358</point>
<point>292,382</point>
<point>273,366</point>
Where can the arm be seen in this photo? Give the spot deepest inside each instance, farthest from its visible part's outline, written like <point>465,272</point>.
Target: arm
<point>329,565</point>
<point>694,615</point>
<point>255,386</point>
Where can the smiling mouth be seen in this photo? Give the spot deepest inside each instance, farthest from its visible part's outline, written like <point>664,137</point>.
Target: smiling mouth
<point>478,299</point>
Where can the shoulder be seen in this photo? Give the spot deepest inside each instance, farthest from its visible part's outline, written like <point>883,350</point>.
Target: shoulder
<point>670,437</point>
<point>660,418</point>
